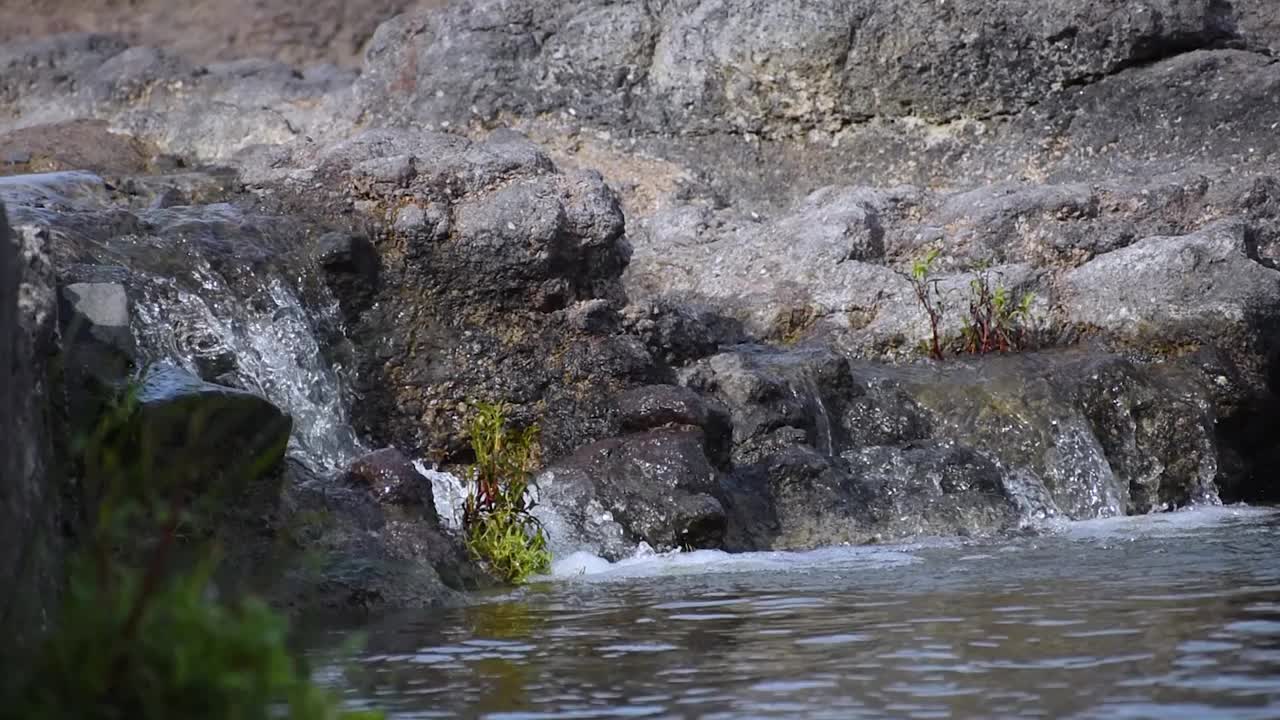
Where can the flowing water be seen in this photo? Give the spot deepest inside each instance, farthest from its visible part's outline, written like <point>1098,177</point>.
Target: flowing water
<point>1165,616</point>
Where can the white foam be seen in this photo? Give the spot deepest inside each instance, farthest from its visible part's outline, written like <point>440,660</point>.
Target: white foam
<point>1178,522</point>
<point>646,563</point>
<point>448,491</point>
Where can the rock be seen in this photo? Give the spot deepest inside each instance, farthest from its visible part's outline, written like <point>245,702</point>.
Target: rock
<point>594,317</point>
<point>656,406</point>
<point>677,333</point>
<point>657,487</point>
<point>299,32</point>
<point>1203,287</point>
<point>507,272</point>
<point>1098,434</point>
<point>868,495</point>
<point>390,476</point>
<point>351,267</point>
<point>766,68</point>
<point>95,318</point>
<point>313,543</point>
<point>34,511</point>
<point>775,397</point>
<point>205,433</point>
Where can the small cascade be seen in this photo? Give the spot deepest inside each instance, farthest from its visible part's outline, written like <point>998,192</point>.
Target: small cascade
<point>448,491</point>
<point>808,396</point>
<point>265,343</point>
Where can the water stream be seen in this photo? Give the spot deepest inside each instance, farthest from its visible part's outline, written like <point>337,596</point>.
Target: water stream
<point>1166,616</point>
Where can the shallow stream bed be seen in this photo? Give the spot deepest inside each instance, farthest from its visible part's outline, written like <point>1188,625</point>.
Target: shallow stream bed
<point>1167,616</point>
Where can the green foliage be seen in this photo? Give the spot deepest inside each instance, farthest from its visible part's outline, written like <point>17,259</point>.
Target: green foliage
<point>143,635</point>
<point>930,299</point>
<point>500,528</point>
<point>996,323</point>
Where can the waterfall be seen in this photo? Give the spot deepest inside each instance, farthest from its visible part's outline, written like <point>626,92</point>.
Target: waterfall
<point>265,342</point>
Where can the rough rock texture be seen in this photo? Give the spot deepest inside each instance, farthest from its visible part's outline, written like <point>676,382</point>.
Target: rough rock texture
<point>655,486</point>
<point>33,506</point>
<point>767,67</point>
<point>829,451</point>
<point>314,543</point>
<point>499,279</point>
<point>293,31</point>
<point>230,305</point>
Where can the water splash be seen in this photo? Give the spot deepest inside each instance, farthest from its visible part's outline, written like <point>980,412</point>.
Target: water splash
<point>448,491</point>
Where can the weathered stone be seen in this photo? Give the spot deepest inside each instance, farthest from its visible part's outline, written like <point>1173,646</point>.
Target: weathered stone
<point>390,476</point>
<point>34,513</point>
<point>655,406</point>
<point>314,543</point>
<point>205,433</point>
<point>657,486</point>
<point>1203,287</point>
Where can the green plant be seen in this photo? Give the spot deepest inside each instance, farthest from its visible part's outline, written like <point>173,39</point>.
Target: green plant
<point>996,323</point>
<point>501,530</point>
<point>930,299</point>
<point>142,633</point>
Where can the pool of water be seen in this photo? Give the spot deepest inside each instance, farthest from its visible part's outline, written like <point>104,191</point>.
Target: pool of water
<point>1169,616</point>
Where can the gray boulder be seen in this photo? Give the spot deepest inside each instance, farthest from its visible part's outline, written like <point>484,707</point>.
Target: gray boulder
<point>1203,286</point>
<point>656,486</point>
<point>657,406</point>
<point>1083,434</point>
<point>775,68</point>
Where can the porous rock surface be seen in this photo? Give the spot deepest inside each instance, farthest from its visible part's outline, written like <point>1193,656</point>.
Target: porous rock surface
<point>677,235</point>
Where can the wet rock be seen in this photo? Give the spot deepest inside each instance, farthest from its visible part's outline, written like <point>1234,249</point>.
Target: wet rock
<point>774,398</point>
<point>505,271</point>
<point>351,267</point>
<point>95,316</point>
<point>390,476</point>
<point>1099,434</point>
<point>205,433</point>
<point>657,486</point>
<point>871,494</point>
<point>34,513</point>
<point>310,543</point>
<point>656,406</point>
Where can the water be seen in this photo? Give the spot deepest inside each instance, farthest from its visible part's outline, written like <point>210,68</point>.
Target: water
<point>1170,616</point>
<point>269,345</point>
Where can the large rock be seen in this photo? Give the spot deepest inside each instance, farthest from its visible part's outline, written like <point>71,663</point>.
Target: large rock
<point>655,486</point>
<point>1076,434</point>
<point>499,281</point>
<point>1204,287</point>
<point>34,510</point>
<point>205,433</point>
<point>319,543</point>
<point>298,32</point>
<point>773,68</point>
<point>800,498</point>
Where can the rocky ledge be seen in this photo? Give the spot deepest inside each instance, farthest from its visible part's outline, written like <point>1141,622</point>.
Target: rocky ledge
<point>679,236</point>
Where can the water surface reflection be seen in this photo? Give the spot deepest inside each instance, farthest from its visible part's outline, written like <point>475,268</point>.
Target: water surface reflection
<point>1164,617</point>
